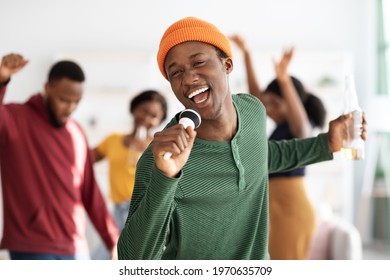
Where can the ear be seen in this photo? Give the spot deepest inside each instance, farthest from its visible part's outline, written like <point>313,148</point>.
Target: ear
<point>46,91</point>
<point>228,65</point>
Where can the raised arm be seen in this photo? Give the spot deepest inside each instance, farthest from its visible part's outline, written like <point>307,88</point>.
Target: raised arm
<point>296,117</point>
<point>11,64</point>
<point>253,83</point>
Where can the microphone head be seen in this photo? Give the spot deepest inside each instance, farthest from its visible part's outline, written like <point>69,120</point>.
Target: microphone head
<point>191,115</point>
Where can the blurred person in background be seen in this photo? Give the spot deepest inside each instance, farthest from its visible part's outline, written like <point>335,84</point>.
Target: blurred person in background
<point>122,150</point>
<point>47,171</point>
<point>296,114</point>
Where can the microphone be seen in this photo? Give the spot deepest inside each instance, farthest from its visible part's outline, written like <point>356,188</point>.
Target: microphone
<point>187,117</point>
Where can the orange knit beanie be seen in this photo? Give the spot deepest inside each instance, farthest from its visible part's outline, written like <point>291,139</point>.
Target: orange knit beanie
<point>191,29</point>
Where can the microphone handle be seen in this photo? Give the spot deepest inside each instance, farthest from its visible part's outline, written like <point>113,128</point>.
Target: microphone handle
<point>185,122</point>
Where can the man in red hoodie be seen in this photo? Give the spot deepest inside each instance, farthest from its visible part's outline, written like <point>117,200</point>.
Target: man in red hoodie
<point>46,170</point>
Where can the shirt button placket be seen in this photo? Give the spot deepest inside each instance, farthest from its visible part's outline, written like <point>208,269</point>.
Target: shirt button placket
<point>236,156</point>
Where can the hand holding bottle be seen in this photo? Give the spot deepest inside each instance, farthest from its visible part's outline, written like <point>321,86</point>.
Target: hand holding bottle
<point>338,132</point>
<point>353,144</point>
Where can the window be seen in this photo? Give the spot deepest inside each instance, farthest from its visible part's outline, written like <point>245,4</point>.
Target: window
<point>383,46</point>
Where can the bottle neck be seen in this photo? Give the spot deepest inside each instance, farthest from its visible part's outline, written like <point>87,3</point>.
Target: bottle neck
<point>350,96</point>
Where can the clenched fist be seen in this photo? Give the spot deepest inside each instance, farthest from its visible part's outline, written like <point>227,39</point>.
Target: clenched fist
<point>11,64</point>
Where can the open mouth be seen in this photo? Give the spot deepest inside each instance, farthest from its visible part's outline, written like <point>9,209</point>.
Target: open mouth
<point>200,95</point>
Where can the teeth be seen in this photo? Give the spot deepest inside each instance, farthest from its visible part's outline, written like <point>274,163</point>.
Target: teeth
<point>197,92</point>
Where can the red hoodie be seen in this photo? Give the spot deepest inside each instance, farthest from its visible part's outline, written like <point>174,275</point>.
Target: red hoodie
<point>48,181</point>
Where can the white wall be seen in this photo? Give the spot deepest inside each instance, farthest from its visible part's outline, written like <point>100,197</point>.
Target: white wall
<point>43,30</point>
<point>39,29</point>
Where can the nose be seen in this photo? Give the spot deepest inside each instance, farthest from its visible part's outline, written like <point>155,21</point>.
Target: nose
<point>150,121</point>
<point>71,106</point>
<point>190,77</point>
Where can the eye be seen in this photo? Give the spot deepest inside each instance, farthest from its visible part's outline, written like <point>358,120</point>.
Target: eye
<point>199,63</point>
<point>175,73</point>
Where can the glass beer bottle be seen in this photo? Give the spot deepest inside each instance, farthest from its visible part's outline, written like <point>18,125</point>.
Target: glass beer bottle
<point>353,146</point>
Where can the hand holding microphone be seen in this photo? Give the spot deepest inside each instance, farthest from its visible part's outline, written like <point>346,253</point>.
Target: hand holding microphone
<point>187,117</point>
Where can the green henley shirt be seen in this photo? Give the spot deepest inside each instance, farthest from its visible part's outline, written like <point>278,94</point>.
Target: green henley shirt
<point>218,206</point>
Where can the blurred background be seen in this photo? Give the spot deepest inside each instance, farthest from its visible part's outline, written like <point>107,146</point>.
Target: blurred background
<point>116,41</point>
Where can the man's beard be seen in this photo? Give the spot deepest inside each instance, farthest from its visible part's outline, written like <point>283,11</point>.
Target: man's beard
<point>52,116</point>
